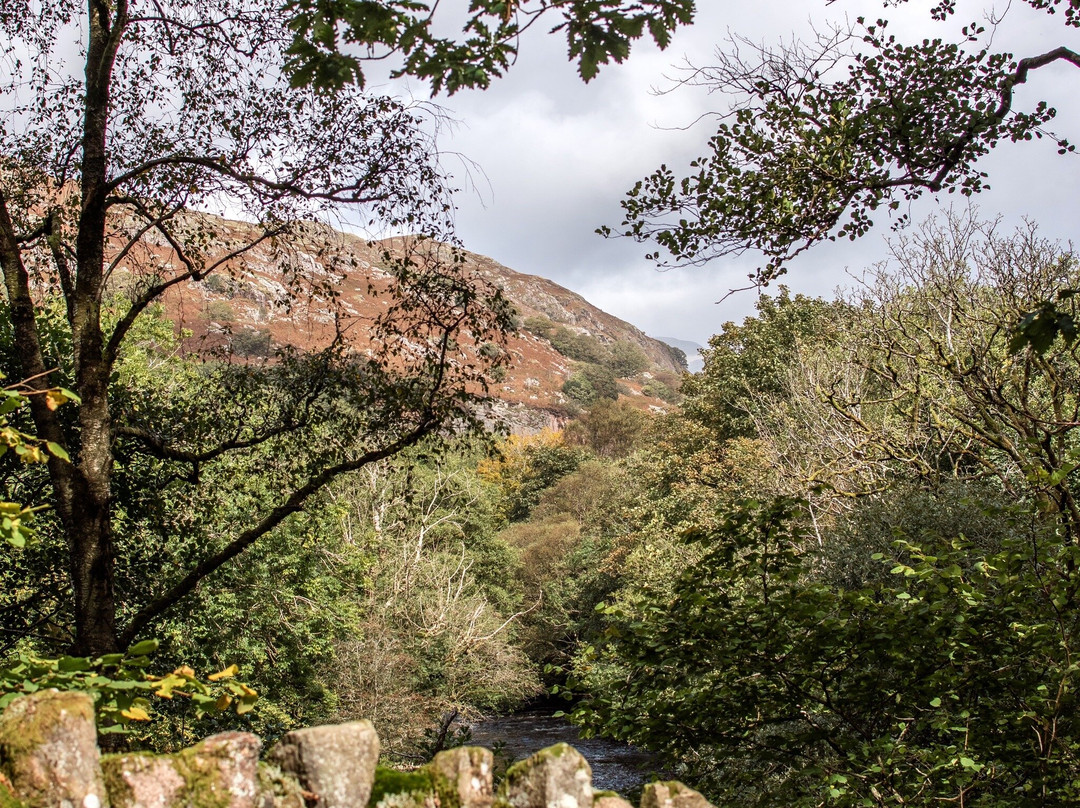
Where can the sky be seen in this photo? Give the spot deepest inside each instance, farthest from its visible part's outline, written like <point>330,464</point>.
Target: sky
<point>544,160</point>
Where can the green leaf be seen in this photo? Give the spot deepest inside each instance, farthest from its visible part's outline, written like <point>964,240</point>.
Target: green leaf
<point>71,664</point>
<point>142,648</point>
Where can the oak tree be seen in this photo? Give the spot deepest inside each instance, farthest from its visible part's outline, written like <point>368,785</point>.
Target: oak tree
<point>332,39</point>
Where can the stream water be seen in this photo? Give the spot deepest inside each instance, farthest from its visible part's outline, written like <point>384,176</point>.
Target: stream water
<point>615,766</point>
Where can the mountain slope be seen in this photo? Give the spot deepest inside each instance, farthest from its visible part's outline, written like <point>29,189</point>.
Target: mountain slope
<point>245,307</point>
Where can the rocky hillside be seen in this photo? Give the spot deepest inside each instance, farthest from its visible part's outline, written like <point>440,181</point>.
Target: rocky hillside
<point>563,338</point>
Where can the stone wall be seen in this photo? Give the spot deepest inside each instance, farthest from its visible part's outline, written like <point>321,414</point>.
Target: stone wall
<point>49,758</point>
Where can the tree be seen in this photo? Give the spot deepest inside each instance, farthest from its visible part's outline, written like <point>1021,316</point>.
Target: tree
<point>918,383</point>
<point>946,677</point>
<point>819,136</point>
<point>120,123</point>
<point>609,428</point>
<point>596,31</point>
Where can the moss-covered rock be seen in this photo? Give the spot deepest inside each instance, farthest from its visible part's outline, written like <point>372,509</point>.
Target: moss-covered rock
<point>390,782</point>
<point>462,777</point>
<point>277,789</point>
<point>672,794</point>
<point>220,772</point>
<point>48,751</point>
<point>609,799</point>
<point>556,777</point>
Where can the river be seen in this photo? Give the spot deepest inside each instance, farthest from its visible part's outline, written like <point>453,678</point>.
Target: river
<point>615,766</point>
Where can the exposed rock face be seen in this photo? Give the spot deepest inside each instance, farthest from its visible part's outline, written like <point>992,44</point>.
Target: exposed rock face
<point>335,763</point>
<point>463,777</point>
<point>672,794</point>
<point>221,772</point>
<point>556,777</point>
<point>48,751</point>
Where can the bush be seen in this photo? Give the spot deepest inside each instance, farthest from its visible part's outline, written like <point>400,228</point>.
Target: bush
<point>657,389</point>
<point>578,388</point>
<point>219,311</point>
<point>625,359</point>
<point>252,342</point>
<point>610,429</point>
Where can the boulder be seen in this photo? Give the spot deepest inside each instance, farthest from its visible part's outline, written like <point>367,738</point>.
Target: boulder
<point>610,800</point>
<point>672,794</point>
<point>335,763</point>
<point>220,772</point>
<point>278,790</point>
<point>48,751</point>
<point>463,777</point>
<point>556,777</point>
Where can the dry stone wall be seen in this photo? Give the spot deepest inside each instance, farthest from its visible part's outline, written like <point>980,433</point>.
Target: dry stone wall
<point>49,758</point>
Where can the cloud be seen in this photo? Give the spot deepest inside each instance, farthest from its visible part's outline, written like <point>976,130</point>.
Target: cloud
<point>560,154</point>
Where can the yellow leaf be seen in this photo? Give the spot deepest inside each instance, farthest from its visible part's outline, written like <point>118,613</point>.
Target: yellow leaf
<point>185,671</point>
<point>54,398</point>
<point>223,702</point>
<point>135,714</point>
<point>228,673</point>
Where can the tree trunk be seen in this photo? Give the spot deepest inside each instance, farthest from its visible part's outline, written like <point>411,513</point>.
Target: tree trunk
<point>89,527</point>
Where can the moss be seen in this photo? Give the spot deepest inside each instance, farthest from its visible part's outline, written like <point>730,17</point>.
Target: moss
<point>116,786</point>
<point>445,789</point>
<point>282,789</point>
<point>27,720</point>
<point>202,779</point>
<point>391,781</point>
<point>598,794</point>
<point>7,796</point>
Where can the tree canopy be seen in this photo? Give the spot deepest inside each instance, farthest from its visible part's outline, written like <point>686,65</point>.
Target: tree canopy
<point>330,37</point>
<point>820,135</point>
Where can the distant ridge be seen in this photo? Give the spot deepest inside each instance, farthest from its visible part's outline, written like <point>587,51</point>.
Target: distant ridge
<point>694,362</point>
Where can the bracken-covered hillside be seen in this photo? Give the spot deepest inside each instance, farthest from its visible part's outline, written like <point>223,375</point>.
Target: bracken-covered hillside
<point>245,308</point>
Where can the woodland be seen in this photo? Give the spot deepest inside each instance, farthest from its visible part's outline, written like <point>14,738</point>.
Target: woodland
<point>843,569</point>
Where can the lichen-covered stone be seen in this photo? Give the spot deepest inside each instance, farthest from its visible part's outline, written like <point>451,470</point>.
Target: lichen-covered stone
<point>398,789</point>
<point>556,777</point>
<point>610,801</point>
<point>143,780</point>
<point>407,799</point>
<point>463,777</point>
<point>48,751</point>
<point>672,794</point>
<point>336,763</point>
<point>220,772</point>
<point>277,789</point>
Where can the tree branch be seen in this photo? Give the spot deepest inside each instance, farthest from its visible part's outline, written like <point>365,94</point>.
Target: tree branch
<point>275,517</point>
<point>147,297</point>
<point>341,193</point>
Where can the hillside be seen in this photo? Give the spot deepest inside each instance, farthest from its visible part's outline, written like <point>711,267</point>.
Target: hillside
<point>246,308</point>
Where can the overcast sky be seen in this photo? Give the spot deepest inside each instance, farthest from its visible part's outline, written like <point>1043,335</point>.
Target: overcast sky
<point>557,156</point>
